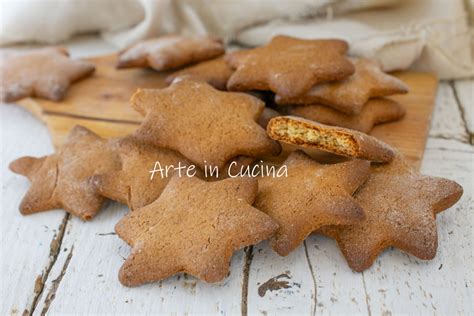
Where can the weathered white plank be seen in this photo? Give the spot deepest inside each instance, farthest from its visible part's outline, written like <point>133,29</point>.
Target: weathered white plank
<point>447,121</point>
<point>25,240</point>
<point>465,93</point>
<point>399,283</point>
<point>84,279</point>
<point>278,285</point>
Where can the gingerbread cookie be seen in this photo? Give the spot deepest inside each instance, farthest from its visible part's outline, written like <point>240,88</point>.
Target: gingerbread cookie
<point>338,140</point>
<point>193,227</point>
<point>170,52</point>
<point>44,73</point>
<point>289,66</point>
<point>134,184</point>
<point>400,206</point>
<point>207,126</point>
<point>350,95</point>
<point>312,196</point>
<point>375,111</point>
<point>267,115</point>
<point>215,72</point>
<point>61,180</point>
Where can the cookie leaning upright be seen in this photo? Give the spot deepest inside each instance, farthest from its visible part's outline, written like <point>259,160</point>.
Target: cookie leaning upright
<point>193,227</point>
<point>170,52</point>
<point>61,180</point>
<point>207,126</point>
<point>289,66</point>
<point>45,73</point>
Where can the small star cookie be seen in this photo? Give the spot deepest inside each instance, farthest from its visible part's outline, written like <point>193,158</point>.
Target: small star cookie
<point>312,196</point>
<point>289,66</point>
<point>400,207</point>
<point>207,126</point>
<point>44,73</point>
<point>61,180</point>
<point>170,52</point>
<point>375,111</point>
<point>193,227</point>
<point>350,95</point>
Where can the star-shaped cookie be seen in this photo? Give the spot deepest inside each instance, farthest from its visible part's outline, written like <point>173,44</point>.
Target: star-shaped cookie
<point>215,72</point>
<point>289,66</point>
<point>350,95</point>
<point>375,111</point>
<point>45,73</point>
<point>61,180</point>
<point>400,207</point>
<point>312,196</point>
<point>133,184</point>
<point>207,126</point>
<point>193,227</point>
<point>170,52</point>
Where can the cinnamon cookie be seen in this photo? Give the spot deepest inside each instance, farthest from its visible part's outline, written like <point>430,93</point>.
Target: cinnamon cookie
<point>338,140</point>
<point>170,52</point>
<point>400,206</point>
<point>193,227</point>
<point>289,66</point>
<point>61,180</point>
<point>350,95</point>
<point>207,126</point>
<point>375,111</point>
<point>44,73</point>
<point>312,196</point>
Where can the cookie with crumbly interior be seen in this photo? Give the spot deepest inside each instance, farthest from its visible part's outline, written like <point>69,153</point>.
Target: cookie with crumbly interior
<point>207,126</point>
<point>215,72</point>
<point>400,207</point>
<point>311,196</point>
<point>289,66</point>
<point>44,73</point>
<point>350,95</point>
<point>338,140</point>
<point>170,52</point>
<point>61,180</point>
<point>375,111</point>
<point>193,227</point>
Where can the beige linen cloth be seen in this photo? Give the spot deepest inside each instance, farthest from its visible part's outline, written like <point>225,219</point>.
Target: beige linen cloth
<point>427,35</point>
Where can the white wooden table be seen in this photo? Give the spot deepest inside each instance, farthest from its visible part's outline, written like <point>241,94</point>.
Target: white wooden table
<point>56,264</point>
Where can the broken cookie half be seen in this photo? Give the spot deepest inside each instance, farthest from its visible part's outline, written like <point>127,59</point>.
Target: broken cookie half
<point>341,141</point>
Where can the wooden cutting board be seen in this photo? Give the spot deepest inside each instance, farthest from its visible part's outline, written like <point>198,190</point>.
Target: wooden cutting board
<point>101,103</point>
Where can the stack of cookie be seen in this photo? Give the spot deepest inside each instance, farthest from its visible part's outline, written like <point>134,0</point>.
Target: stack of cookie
<point>187,221</point>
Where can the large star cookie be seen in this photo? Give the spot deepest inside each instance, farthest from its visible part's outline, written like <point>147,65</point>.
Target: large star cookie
<point>170,52</point>
<point>375,111</point>
<point>193,227</point>
<point>215,72</point>
<point>350,95</point>
<point>338,140</point>
<point>207,126</point>
<point>400,206</point>
<point>289,66</point>
<point>312,196</point>
<point>133,184</point>
<point>45,73</point>
<point>61,180</point>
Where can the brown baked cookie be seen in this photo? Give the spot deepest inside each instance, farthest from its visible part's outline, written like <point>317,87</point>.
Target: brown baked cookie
<point>134,184</point>
<point>312,196</point>
<point>289,66</point>
<point>193,227</point>
<point>267,115</point>
<point>375,111</point>
<point>400,206</point>
<point>170,52</point>
<point>61,180</point>
<point>215,72</point>
<point>207,126</point>
<point>350,95</point>
<point>44,73</point>
<point>342,141</point>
